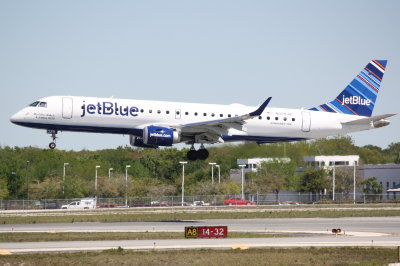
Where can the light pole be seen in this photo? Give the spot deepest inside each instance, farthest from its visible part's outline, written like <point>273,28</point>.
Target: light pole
<point>27,180</point>
<point>109,172</point>
<point>354,182</point>
<point>212,172</point>
<point>183,180</point>
<point>242,166</point>
<point>14,174</point>
<point>95,180</point>
<point>333,182</point>
<point>219,174</point>
<point>126,184</point>
<point>63,191</point>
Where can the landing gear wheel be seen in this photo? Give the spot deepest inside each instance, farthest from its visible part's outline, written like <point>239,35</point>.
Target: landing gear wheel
<point>192,155</point>
<point>53,133</point>
<point>52,145</point>
<point>202,154</point>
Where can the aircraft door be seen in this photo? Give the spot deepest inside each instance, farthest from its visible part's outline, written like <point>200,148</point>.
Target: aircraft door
<point>177,114</point>
<point>67,107</point>
<point>306,125</point>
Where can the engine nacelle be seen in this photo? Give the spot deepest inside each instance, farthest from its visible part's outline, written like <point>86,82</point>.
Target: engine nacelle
<point>138,142</point>
<point>160,136</point>
<point>381,123</point>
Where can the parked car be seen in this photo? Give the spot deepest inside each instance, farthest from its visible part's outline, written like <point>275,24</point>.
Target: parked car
<point>86,203</point>
<point>106,205</point>
<point>200,203</point>
<point>238,201</point>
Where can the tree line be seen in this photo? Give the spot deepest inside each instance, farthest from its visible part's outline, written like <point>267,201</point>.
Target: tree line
<point>29,172</point>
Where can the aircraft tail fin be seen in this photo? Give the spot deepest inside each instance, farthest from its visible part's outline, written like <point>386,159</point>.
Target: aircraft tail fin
<point>359,97</point>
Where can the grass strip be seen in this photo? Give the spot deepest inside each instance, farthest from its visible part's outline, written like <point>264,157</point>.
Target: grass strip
<point>98,236</point>
<point>177,216</point>
<point>303,256</point>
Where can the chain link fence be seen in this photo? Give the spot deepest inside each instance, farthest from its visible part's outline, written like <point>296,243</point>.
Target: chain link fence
<point>283,198</point>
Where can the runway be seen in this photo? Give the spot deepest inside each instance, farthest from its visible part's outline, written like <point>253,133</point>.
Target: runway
<point>308,232</point>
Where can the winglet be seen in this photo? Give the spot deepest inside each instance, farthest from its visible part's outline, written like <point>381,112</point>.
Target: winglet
<point>260,109</point>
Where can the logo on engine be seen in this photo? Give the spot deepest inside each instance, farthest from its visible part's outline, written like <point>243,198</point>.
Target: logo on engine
<point>160,135</point>
<point>356,100</point>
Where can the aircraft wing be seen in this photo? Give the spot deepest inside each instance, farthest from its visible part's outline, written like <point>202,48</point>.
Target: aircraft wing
<point>211,130</point>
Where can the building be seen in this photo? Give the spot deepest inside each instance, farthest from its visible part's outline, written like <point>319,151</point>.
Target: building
<point>388,175</point>
<point>324,161</point>
<point>251,165</point>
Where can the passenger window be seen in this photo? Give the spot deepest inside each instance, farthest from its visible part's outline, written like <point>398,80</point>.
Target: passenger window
<point>284,119</point>
<point>141,110</point>
<point>205,114</point>
<point>195,113</point>
<point>158,111</point>
<point>268,118</point>
<point>221,115</point>
<point>186,113</point>
<point>276,118</point>
<point>177,112</point>
<point>260,117</point>
<point>212,114</point>
<point>167,112</point>
<point>150,111</point>
<point>293,119</point>
<point>229,115</point>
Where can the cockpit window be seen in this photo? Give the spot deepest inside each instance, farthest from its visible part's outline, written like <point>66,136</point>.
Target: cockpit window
<point>39,104</point>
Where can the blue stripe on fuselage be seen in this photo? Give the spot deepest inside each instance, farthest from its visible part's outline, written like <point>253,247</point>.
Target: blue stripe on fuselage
<point>139,132</point>
<point>76,128</point>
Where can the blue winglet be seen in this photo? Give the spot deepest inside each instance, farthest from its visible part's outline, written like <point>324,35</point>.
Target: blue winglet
<point>260,109</point>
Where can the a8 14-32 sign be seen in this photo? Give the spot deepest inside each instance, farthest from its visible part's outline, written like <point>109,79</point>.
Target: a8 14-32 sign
<point>206,231</point>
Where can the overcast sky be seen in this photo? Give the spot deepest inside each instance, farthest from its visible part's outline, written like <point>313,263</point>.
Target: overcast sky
<point>301,53</point>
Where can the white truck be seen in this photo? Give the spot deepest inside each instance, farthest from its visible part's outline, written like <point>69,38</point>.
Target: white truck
<point>200,203</point>
<point>82,204</point>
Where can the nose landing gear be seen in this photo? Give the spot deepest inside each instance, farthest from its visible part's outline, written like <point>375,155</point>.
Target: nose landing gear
<point>52,145</point>
<point>201,154</point>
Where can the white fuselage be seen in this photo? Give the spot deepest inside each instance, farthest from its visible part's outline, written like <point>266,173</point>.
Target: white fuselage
<point>123,116</point>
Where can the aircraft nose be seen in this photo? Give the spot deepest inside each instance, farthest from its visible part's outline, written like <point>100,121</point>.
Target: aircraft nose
<point>17,117</point>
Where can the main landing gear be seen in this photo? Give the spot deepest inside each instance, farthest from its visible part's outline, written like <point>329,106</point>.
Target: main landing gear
<point>200,154</point>
<point>52,145</point>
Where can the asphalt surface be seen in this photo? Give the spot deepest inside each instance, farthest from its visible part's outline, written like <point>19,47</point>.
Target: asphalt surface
<point>390,225</point>
<point>315,232</point>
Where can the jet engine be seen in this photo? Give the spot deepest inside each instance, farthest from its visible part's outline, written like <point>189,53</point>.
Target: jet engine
<point>138,142</point>
<point>160,136</point>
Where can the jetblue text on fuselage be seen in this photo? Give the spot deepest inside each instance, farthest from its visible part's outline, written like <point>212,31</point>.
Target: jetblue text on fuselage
<point>355,100</point>
<point>108,108</point>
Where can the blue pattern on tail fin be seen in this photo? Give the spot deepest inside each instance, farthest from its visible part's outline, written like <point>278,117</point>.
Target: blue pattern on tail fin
<point>359,97</point>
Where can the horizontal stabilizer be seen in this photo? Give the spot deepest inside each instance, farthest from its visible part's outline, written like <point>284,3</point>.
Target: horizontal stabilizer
<point>367,120</point>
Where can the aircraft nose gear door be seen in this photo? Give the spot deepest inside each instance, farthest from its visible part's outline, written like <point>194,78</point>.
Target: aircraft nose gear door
<point>306,126</point>
<point>67,108</point>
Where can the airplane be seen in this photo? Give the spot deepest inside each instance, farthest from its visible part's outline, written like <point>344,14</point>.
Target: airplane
<point>151,124</point>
